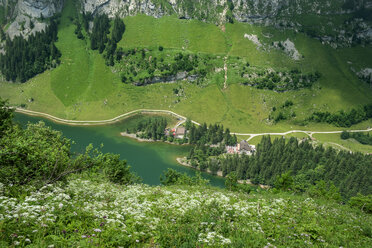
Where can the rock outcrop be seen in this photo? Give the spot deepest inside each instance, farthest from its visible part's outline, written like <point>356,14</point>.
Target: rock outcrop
<point>278,13</point>
<point>169,79</point>
<point>27,15</point>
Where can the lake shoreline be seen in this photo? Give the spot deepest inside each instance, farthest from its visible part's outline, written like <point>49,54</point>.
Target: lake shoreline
<point>184,162</point>
<point>135,137</point>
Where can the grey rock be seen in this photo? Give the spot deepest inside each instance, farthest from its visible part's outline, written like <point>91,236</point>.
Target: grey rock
<point>25,11</point>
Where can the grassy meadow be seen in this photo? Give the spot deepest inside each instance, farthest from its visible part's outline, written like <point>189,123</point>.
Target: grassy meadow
<point>84,88</point>
<point>335,141</point>
<point>89,211</point>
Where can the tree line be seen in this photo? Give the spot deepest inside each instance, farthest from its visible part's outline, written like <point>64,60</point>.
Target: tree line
<point>209,135</point>
<point>282,81</point>
<point>350,172</point>
<point>342,118</point>
<point>152,129</point>
<point>24,58</point>
<point>99,35</point>
<point>362,138</point>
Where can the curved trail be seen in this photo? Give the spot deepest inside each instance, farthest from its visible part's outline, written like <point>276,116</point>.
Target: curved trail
<point>102,122</point>
<point>309,133</point>
<point>182,120</point>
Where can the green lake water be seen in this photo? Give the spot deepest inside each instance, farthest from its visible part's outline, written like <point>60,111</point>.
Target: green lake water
<point>147,159</point>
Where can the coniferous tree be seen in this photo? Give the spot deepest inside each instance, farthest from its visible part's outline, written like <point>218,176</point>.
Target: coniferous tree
<point>25,58</point>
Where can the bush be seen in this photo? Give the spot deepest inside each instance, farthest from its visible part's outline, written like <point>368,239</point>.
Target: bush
<point>284,182</point>
<point>345,135</point>
<point>6,116</point>
<point>118,171</point>
<point>173,177</point>
<point>325,190</point>
<point>362,202</point>
<point>37,155</point>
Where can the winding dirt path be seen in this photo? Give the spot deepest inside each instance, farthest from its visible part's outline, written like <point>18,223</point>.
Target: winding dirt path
<point>180,117</point>
<point>309,133</point>
<point>103,122</point>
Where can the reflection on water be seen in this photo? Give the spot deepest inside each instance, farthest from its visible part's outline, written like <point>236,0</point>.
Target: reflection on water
<point>148,160</point>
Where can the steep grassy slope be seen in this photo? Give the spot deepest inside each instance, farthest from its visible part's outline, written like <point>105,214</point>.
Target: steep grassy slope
<point>95,212</point>
<point>83,87</point>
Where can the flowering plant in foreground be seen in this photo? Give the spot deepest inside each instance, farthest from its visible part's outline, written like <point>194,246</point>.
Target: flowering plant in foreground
<point>91,213</point>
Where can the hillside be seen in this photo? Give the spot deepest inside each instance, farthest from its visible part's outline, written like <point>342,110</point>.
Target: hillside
<point>53,197</point>
<point>88,212</point>
<point>236,58</point>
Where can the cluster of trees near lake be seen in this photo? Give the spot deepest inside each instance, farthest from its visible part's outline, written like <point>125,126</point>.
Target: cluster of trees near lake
<point>204,137</point>
<point>362,138</point>
<point>342,118</point>
<point>153,129</point>
<point>209,135</point>
<point>25,58</point>
<point>306,165</point>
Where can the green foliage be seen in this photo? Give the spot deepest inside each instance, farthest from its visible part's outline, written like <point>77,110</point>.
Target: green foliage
<point>25,58</point>
<point>362,202</point>
<point>362,138</point>
<point>284,181</point>
<point>118,29</point>
<point>6,116</point>
<point>350,172</point>
<point>118,171</point>
<point>91,212</point>
<point>153,128</point>
<point>285,112</point>
<point>345,135</point>
<point>328,191</point>
<point>279,81</point>
<point>211,135</point>
<point>35,156</point>
<point>145,66</point>
<point>231,182</point>
<point>342,118</point>
<point>101,28</point>
<point>173,177</point>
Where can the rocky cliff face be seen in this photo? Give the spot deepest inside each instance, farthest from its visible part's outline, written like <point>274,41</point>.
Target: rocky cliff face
<point>26,14</point>
<point>242,10</point>
<point>39,8</point>
<point>279,13</point>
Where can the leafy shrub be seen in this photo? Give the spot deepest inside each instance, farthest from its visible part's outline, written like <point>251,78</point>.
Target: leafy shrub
<point>342,118</point>
<point>284,181</point>
<point>362,202</point>
<point>6,116</point>
<point>118,171</point>
<point>345,135</point>
<point>37,155</point>
<point>173,177</point>
<point>325,190</point>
